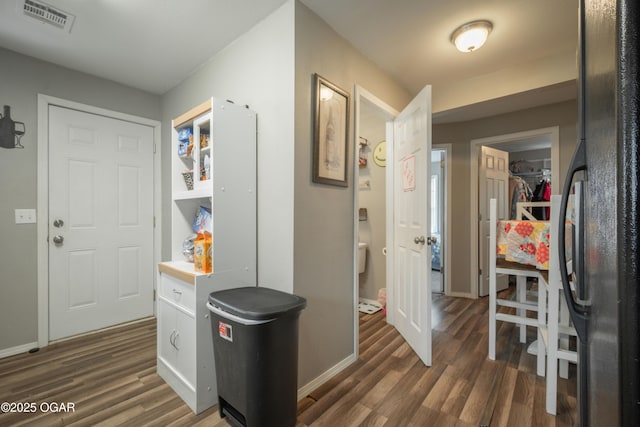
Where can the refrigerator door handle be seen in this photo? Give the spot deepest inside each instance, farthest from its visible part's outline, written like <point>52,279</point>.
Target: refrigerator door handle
<point>578,312</point>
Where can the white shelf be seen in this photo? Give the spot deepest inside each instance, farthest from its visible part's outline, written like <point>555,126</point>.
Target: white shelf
<point>184,266</point>
<point>187,364</point>
<point>203,190</point>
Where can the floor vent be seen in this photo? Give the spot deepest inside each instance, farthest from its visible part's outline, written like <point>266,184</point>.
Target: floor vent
<point>48,14</point>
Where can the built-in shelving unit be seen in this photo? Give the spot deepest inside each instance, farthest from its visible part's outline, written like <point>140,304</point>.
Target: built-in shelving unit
<point>222,161</point>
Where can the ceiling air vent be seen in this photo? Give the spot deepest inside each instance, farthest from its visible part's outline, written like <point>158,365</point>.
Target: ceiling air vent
<point>48,14</point>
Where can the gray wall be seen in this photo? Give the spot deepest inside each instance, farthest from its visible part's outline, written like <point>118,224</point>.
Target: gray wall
<point>563,115</point>
<point>305,238</point>
<point>323,215</point>
<point>21,79</point>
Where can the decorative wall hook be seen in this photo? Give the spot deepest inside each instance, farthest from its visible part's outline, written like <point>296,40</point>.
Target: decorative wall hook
<point>10,131</point>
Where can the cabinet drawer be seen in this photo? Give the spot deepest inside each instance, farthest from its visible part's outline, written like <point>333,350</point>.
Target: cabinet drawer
<point>178,292</point>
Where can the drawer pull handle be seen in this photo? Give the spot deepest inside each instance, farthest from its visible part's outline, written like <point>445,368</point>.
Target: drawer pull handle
<point>175,291</point>
<point>173,339</point>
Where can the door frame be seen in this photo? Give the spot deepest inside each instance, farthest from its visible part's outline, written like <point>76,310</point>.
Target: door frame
<point>553,133</point>
<point>361,92</point>
<point>446,221</point>
<point>42,229</point>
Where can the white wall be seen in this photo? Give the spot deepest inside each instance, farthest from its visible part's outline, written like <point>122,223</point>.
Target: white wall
<point>258,70</point>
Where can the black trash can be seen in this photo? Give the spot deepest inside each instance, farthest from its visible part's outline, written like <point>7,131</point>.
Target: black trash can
<point>255,344</point>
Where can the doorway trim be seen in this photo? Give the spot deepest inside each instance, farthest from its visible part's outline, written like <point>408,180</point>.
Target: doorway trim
<point>42,212</point>
<point>553,133</point>
<point>448,149</point>
<point>361,93</point>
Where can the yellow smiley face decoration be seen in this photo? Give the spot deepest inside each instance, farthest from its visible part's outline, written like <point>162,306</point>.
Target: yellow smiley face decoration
<point>380,154</point>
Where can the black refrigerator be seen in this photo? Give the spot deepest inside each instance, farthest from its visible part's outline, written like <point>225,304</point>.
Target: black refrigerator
<point>604,179</point>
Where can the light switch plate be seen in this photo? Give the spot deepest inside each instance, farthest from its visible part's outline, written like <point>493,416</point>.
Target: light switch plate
<point>25,216</point>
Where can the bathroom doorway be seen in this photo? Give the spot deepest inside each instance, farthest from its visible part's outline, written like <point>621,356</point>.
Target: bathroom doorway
<point>371,189</point>
<point>370,217</point>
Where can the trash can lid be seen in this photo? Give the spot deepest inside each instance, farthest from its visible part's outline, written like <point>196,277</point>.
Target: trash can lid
<point>255,303</point>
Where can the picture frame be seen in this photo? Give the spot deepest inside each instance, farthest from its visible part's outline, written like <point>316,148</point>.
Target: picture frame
<point>331,133</point>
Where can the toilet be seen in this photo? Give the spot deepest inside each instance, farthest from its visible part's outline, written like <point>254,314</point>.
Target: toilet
<point>362,257</point>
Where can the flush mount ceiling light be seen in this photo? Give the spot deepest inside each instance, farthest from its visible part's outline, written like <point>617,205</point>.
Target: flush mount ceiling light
<point>471,36</point>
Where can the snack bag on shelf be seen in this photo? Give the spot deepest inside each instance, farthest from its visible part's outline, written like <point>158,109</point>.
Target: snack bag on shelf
<point>202,220</point>
<point>202,252</point>
<point>204,140</point>
<point>182,148</point>
<point>185,135</point>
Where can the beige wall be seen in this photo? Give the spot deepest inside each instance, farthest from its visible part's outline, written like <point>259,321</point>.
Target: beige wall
<point>563,115</point>
<point>530,76</point>
<point>323,215</point>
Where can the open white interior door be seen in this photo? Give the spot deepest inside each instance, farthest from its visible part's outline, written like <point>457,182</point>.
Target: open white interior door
<point>409,264</point>
<point>493,183</point>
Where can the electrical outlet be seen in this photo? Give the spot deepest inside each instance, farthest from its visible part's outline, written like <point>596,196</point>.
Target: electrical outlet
<point>25,216</point>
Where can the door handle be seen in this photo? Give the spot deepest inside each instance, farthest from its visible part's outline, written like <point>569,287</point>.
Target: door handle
<point>418,240</point>
<point>432,240</point>
<point>58,239</point>
<point>58,223</point>
<point>579,313</point>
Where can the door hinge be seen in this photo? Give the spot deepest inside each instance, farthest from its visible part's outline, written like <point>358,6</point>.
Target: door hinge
<point>154,221</point>
<point>154,294</point>
<point>154,148</point>
<point>480,272</point>
<point>479,217</point>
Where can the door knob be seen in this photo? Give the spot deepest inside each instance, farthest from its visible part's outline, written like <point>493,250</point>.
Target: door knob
<point>58,223</point>
<point>432,240</point>
<point>58,239</point>
<point>417,240</point>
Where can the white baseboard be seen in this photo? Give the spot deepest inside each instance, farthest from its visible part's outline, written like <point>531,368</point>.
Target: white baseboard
<point>17,350</point>
<point>461,295</point>
<point>325,376</point>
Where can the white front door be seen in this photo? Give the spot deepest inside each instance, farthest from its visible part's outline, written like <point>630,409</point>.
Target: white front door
<point>410,299</point>
<point>493,183</point>
<point>100,222</point>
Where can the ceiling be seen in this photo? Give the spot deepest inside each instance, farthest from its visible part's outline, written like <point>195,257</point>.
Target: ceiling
<point>155,44</point>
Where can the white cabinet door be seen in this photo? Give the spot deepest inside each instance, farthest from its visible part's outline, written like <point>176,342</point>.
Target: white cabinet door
<point>166,330</point>
<point>176,339</point>
<point>185,344</point>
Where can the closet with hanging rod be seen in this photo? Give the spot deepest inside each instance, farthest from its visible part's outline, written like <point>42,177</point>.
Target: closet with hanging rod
<point>530,181</point>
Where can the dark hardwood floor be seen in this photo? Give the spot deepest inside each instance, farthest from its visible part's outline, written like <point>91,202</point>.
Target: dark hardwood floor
<point>110,378</point>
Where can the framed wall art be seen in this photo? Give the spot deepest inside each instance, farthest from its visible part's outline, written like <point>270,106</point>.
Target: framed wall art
<point>331,133</point>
